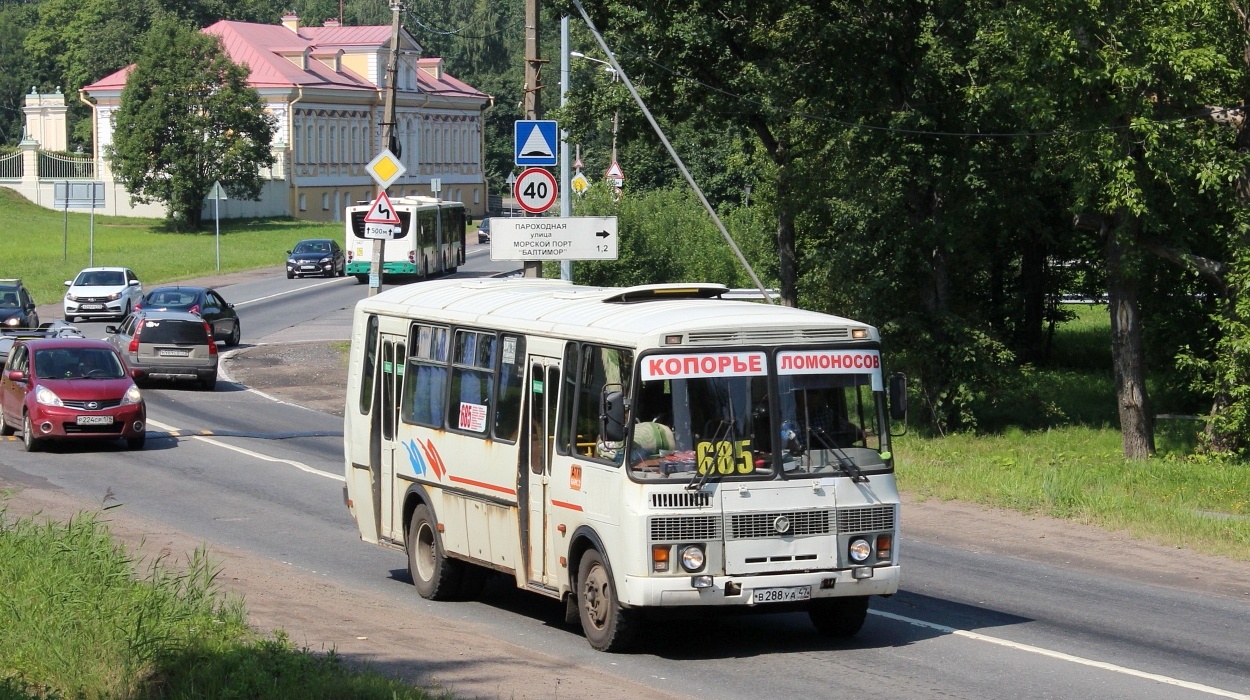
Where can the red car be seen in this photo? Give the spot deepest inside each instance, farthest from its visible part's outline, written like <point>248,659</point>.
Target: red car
<point>70,389</point>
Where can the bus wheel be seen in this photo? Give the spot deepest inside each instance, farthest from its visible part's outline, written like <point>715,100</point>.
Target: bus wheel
<point>362,279</point>
<point>435,576</point>
<point>607,625</point>
<point>839,617</point>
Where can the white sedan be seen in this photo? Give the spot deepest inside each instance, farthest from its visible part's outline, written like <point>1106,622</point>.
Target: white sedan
<point>102,292</point>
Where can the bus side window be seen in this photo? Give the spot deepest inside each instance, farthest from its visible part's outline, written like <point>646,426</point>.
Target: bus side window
<point>425,380</point>
<point>600,366</point>
<point>563,434</point>
<point>472,381</point>
<point>511,381</point>
<point>366,374</point>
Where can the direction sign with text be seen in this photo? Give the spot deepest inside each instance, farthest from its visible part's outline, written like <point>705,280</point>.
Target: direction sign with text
<point>553,238</point>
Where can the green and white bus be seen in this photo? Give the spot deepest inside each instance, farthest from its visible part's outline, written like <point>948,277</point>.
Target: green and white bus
<point>625,448</point>
<point>429,242</point>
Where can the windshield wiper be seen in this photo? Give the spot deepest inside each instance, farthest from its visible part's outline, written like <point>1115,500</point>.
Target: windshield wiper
<point>844,462</point>
<point>724,430</point>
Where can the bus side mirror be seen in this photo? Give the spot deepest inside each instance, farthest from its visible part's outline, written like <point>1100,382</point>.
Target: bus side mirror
<point>612,414</point>
<point>898,396</point>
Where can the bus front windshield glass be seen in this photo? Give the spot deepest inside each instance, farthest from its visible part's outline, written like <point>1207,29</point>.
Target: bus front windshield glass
<point>829,423</point>
<point>695,418</point>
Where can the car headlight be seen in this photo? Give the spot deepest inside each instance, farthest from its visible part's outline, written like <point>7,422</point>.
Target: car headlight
<point>324,261</point>
<point>12,321</point>
<point>70,297</point>
<point>860,550</point>
<point>115,296</point>
<point>132,396</point>
<point>47,397</point>
<point>290,261</point>
<point>692,558</point>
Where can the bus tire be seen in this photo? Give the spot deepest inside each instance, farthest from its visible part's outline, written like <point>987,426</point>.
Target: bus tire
<point>435,576</point>
<point>839,618</point>
<point>607,626</point>
<point>361,279</point>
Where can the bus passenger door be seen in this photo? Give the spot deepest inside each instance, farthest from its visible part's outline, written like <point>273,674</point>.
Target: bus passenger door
<point>544,388</point>
<point>392,375</point>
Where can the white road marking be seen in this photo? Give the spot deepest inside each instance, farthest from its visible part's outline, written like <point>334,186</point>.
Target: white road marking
<point>298,465</point>
<point>289,291</point>
<point>1168,680</point>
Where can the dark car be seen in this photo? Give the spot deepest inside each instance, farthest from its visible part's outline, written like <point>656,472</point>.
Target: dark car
<point>483,231</point>
<point>70,389</point>
<point>55,329</point>
<point>204,302</point>
<point>316,256</point>
<point>167,345</point>
<point>17,309</point>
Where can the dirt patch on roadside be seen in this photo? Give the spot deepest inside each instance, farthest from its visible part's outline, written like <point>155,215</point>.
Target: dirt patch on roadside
<point>311,374</point>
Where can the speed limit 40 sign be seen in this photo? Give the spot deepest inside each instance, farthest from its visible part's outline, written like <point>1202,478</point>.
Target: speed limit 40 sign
<point>535,190</point>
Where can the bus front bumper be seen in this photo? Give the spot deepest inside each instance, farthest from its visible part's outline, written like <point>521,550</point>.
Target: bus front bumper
<point>670,591</point>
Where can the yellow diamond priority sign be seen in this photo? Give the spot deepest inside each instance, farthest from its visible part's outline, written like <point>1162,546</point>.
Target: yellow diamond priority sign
<point>385,168</point>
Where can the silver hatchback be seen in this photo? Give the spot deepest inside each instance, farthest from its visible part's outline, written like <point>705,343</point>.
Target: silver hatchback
<point>167,345</point>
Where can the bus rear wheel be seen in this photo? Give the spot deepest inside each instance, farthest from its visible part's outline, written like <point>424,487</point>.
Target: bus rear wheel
<point>839,617</point>
<point>361,279</point>
<point>607,625</point>
<point>435,576</point>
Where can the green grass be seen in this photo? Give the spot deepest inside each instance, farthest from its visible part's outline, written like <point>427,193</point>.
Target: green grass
<point>42,249</point>
<point>83,618</point>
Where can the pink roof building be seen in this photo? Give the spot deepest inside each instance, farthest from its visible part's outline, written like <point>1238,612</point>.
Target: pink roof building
<point>326,87</point>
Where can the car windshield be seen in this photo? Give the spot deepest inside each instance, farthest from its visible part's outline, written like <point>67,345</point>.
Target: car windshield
<point>78,363</point>
<point>312,247</point>
<point>8,297</point>
<point>100,278</point>
<point>173,331</point>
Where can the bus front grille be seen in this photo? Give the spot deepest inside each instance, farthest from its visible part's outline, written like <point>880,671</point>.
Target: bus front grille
<point>749,526</point>
<point>871,519</point>
<point>686,499</point>
<point>685,528</point>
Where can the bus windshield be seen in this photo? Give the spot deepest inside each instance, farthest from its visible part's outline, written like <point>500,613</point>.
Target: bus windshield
<point>692,417</point>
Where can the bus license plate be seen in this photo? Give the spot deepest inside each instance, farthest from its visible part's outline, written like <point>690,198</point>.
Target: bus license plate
<point>173,352</point>
<point>781,595</point>
<point>95,420</point>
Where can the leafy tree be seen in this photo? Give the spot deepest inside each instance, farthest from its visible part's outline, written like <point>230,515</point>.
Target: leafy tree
<point>188,118</point>
<point>15,21</point>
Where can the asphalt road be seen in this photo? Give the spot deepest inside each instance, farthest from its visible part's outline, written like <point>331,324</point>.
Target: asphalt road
<point>966,624</point>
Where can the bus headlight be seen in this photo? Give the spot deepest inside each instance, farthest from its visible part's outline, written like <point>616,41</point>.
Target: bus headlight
<point>692,558</point>
<point>860,550</point>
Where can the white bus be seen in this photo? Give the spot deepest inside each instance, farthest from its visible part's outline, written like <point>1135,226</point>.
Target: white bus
<point>625,448</point>
<point>430,240</point>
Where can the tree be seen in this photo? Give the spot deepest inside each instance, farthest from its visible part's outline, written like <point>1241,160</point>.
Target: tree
<point>188,118</point>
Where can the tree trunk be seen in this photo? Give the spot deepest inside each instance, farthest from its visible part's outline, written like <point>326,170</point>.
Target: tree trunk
<point>1127,352</point>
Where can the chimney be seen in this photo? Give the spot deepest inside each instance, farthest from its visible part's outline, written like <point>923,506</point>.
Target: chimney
<point>291,21</point>
<point>330,23</point>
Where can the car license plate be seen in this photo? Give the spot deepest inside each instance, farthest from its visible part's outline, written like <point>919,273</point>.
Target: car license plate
<point>308,267</point>
<point>95,420</point>
<point>173,352</point>
<point>91,307</point>
<point>781,595</point>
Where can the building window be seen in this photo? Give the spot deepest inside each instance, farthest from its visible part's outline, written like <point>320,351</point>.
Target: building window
<point>303,202</point>
<point>325,201</point>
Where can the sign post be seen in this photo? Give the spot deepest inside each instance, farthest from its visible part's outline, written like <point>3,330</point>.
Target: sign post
<point>78,194</point>
<point>385,169</point>
<point>217,194</point>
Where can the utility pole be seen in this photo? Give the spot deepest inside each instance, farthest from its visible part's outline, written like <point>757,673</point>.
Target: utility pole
<point>531,102</point>
<point>388,134</point>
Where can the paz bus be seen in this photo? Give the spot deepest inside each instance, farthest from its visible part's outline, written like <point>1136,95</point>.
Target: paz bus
<point>429,240</point>
<point>621,449</point>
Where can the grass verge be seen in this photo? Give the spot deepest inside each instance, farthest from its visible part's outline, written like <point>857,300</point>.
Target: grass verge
<point>80,621</point>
